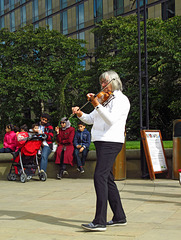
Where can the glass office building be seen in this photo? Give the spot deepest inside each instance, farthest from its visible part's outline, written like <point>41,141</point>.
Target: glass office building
<point>75,18</point>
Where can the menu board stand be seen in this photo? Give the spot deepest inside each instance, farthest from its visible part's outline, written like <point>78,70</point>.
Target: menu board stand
<point>154,152</point>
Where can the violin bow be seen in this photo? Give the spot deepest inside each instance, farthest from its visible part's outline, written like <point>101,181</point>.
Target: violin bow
<point>94,96</point>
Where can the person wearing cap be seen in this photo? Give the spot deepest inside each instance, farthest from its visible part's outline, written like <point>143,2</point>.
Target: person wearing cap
<point>65,149</point>
<point>108,134</point>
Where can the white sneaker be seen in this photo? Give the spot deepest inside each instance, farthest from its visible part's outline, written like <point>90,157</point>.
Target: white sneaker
<point>29,177</point>
<point>65,172</point>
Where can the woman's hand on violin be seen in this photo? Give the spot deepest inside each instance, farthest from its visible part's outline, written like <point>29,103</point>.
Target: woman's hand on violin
<point>77,111</point>
<point>91,97</point>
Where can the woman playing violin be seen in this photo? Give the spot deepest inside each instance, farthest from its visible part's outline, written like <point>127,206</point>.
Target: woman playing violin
<point>108,119</point>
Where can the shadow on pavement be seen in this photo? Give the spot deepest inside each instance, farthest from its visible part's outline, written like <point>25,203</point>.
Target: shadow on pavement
<point>20,215</point>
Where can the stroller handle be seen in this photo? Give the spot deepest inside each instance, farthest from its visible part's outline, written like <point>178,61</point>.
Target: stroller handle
<point>38,137</point>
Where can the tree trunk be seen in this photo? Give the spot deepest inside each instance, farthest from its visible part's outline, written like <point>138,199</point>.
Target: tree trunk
<point>42,106</point>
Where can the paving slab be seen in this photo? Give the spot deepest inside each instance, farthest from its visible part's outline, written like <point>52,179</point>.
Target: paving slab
<point>55,210</point>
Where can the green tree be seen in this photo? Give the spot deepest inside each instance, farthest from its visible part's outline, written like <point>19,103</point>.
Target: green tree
<point>118,50</point>
<point>36,70</point>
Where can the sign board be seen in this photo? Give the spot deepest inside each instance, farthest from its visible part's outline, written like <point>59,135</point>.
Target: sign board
<point>154,152</point>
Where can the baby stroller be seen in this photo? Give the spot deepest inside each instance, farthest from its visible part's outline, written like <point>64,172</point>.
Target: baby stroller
<point>26,163</point>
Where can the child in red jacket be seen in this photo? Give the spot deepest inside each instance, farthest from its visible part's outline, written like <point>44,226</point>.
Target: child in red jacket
<point>22,136</point>
<point>10,140</point>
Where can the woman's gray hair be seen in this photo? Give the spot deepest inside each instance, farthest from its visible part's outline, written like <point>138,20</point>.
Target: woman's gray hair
<point>116,82</point>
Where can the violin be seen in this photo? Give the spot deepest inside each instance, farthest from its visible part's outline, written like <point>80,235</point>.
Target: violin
<point>101,96</point>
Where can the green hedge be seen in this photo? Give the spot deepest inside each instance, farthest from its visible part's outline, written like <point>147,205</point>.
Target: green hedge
<point>136,145</point>
<point>130,145</point>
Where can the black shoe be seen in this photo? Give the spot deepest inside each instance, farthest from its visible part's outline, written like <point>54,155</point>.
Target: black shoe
<point>65,172</point>
<point>59,176</point>
<point>15,154</point>
<point>117,223</point>
<point>81,170</point>
<point>94,227</point>
<point>29,177</point>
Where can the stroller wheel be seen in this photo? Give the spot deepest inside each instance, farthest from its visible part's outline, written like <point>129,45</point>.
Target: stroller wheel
<point>23,177</point>
<point>43,176</point>
<point>8,177</point>
<point>11,177</point>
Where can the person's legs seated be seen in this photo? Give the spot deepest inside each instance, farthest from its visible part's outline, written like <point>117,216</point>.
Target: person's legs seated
<point>78,160</point>
<point>44,157</point>
<point>84,156</point>
<point>63,166</point>
<point>2,150</point>
<point>5,150</point>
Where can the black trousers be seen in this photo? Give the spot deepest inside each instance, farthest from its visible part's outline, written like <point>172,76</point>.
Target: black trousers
<point>105,187</point>
<point>62,164</point>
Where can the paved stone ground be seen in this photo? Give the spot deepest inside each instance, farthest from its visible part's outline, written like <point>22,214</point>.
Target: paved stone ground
<point>55,209</point>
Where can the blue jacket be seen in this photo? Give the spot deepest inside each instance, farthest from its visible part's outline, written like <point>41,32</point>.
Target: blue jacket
<point>82,138</point>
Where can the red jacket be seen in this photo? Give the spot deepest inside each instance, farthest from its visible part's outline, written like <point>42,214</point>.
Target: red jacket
<point>65,141</point>
<point>10,140</point>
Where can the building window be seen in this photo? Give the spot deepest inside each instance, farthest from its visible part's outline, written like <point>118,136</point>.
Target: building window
<point>11,4</point>
<point>80,16</point>
<point>63,4</point>
<point>23,16</point>
<point>48,4</point>
<point>141,5</point>
<point>97,41</point>
<point>98,11</point>
<point>1,22</point>
<point>6,5</point>
<point>35,10</point>
<point>63,23</point>
<point>49,23</point>
<point>81,36</point>
<point>1,7</point>
<point>141,2</point>
<point>12,21</point>
<point>118,7</point>
<point>168,9</point>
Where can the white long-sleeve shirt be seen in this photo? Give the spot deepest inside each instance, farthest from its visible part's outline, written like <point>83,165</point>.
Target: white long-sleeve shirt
<point>109,121</point>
